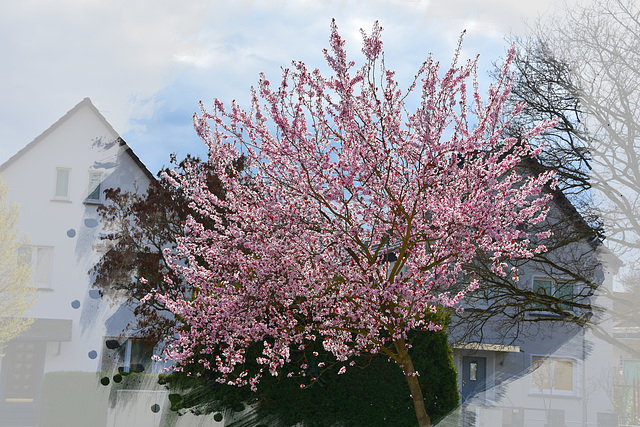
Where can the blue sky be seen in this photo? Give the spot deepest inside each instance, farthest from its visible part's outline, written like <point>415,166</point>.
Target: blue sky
<point>146,64</point>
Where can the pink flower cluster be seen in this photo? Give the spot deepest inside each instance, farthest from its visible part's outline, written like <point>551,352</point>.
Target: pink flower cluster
<point>340,176</point>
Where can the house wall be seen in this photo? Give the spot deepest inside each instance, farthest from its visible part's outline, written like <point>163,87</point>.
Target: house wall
<point>511,383</point>
<point>510,390</point>
<point>70,315</point>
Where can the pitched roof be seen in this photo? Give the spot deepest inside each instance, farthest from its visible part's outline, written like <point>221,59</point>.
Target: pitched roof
<point>85,102</point>
<point>563,203</point>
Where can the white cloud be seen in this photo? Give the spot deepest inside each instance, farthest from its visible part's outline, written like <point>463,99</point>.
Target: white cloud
<point>57,53</point>
<point>123,53</point>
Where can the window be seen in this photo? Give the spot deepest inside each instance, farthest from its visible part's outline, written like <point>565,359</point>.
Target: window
<point>473,373</point>
<point>62,183</point>
<point>95,178</point>
<point>40,258</point>
<point>560,290</point>
<point>127,355</point>
<point>137,356</point>
<point>551,374</point>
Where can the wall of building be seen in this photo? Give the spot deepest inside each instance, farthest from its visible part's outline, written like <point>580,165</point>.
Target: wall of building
<point>70,315</point>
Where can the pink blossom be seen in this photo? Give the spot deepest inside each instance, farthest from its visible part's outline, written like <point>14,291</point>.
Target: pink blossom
<point>339,175</point>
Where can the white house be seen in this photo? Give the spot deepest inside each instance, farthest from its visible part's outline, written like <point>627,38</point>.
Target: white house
<point>50,375</point>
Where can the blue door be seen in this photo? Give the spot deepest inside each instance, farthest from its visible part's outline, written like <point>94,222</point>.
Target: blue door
<point>474,376</point>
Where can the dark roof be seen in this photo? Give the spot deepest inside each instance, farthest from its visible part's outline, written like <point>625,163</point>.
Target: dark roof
<point>562,201</point>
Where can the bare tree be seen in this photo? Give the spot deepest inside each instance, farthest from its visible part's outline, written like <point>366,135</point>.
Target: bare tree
<point>583,68</point>
<point>601,45</point>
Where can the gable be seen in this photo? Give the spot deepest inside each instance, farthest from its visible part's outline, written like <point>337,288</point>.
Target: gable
<point>82,131</point>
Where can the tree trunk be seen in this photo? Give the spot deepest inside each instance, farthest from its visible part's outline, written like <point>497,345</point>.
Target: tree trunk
<point>414,384</point>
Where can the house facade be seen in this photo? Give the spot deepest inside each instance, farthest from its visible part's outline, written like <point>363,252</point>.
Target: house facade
<point>54,373</point>
<point>528,365</point>
<point>627,363</point>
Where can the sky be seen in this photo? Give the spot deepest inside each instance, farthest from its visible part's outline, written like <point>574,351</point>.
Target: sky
<point>147,64</point>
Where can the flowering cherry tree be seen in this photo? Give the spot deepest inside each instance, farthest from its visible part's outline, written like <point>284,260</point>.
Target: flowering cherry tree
<point>353,216</point>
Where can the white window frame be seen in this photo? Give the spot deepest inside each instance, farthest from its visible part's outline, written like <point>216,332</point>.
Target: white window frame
<point>32,253</point>
<point>56,183</point>
<point>91,188</point>
<point>552,362</point>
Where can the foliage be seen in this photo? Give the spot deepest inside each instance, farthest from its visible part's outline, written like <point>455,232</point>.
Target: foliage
<point>148,221</point>
<point>72,399</point>
<point>143,226</point>
<point>339,176</point>
<point>373,394</point>
<point>17,293</point>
